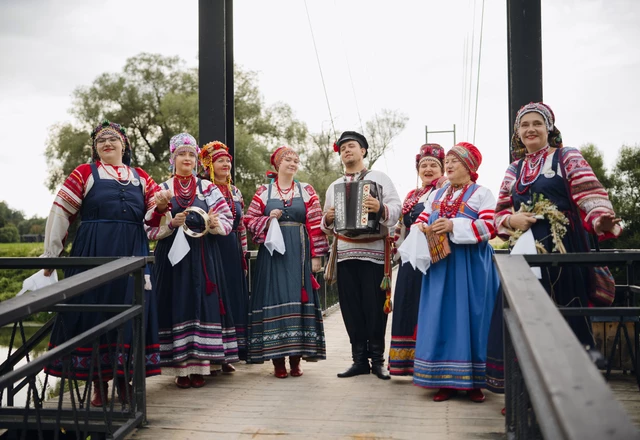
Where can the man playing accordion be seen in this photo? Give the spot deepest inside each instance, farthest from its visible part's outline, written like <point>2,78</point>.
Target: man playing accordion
<point>360,255</point>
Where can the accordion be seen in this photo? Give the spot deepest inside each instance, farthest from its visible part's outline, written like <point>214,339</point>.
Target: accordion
<point>351,217</point>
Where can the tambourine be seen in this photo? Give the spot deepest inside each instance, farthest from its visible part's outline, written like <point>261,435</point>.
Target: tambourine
<point>204,216</point>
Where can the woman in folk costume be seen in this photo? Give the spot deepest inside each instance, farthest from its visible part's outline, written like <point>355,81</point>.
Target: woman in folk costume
<point>543,167</point>
<point>430,168</point>
<point>196,329</point>
<point>217,161</point>
<point>459,291</point>
<point>286,318</point>
<point>113,200</point>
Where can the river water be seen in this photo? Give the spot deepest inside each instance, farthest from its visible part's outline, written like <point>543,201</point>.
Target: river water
<point>5,337</point>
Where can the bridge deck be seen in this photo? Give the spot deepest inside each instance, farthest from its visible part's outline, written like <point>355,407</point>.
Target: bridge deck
<point>252,403</point>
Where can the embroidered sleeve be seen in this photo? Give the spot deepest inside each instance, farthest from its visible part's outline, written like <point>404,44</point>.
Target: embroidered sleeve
<point>218,205</point>
<point>157,225</point>
<point>504,206</point>
<point>401,230</point>
<point>428,208</point>
<point>152,217</point>
<point>328,203</point>
<point>392,203</point>
<point>467,231</point>
<point>318,240</point>
<point>65,208</point>
<point>242,230</point>
<point>587,192</point>
<point>254,220</point>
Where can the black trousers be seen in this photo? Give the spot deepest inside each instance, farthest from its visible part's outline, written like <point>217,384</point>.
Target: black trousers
<point>362,300</point>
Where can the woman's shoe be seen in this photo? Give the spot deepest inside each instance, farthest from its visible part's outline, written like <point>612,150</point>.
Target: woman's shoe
<point>98,399</point>
<point>444,394</point>
<point>280,369</point>
<point>183,382</point>
<point>125,390</point>
<point>504,411</point>
<point>476,395</point>
<point>294,361</point>
<point>197,381</point>
<point>228,368</point>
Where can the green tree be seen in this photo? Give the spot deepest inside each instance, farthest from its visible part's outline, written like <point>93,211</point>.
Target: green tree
<point>320,164</point>
<point>9,234</point>
<point>626,195</point>
<point>156,97</point>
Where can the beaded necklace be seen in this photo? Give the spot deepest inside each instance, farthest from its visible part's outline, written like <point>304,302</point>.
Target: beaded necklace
<point>286,200</point>
<point>531,169</point>
<point>116,176</point>
<point>229,198</point>
<point>184,190</point>
<point>449,209</point>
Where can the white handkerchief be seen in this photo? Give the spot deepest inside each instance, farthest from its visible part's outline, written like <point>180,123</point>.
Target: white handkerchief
<point>415,250</point>
<point>38,281</point>
<point>274,240</point>
<point>179,248</point>
<point>526,245</point>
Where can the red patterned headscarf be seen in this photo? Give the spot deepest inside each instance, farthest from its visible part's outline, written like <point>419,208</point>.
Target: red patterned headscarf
<point>276,159</point>
<point>470,157</point>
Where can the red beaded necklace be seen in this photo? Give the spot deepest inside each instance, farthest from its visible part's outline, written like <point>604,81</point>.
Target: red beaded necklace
<point>449,209</point>
<point>229,198</point>
<point>286,201</point>
<point>184,189</point>
<point>531,169</point>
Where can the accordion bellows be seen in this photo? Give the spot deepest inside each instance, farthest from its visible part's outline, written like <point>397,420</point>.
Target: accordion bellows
<point>351,218</point>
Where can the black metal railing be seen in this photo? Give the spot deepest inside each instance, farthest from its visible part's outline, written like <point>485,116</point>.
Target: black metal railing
<point>70,411</point>
<point>328,293</point>
<point>553,389</point>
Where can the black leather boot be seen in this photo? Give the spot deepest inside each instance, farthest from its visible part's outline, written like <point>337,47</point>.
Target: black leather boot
<point>376,351</point>
<point>360,361</point>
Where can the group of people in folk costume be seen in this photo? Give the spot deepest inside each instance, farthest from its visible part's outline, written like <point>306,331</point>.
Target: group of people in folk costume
<point>447,322</point>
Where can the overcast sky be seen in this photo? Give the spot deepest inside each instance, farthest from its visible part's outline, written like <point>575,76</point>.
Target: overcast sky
<point>404,55</point>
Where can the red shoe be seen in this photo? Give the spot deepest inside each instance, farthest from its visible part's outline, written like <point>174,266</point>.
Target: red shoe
<point>228,368</point>
<point>280,368</point>
<point>476,395</point>
<point>444,394</point>
<point>294,361</point>
<point>197,381</point>
<point>97,398</point>
<point>183,382</point>
<point>504,411</point>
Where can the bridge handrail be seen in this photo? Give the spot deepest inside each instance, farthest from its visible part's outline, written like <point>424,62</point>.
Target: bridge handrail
<point>570,398</point>
<point>20,307</point>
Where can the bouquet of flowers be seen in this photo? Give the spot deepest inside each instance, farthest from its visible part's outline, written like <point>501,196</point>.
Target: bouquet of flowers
<point>545,210</point>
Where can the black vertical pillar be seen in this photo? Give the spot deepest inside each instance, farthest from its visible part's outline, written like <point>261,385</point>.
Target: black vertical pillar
<point>230,121</point>
<point>215,39</point>
<point>524,39</point>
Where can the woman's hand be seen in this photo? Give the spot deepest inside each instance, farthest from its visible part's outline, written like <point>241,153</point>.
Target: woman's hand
<point>178,220</point>
<point>521,221</point>
<point>442,226</point>
<point>422,227</point>
<point>214,220</point>
<point>276,213</point>
<point>48,272</point>
<point>605,223</point>
<point>162,199</point>
<point>316,264</point>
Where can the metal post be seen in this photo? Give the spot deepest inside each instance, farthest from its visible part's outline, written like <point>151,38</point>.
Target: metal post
<point>524,40</point>
<point>426,135</point>
<point>212,71</point>
<point>139,362</point>
<point>230,89</point>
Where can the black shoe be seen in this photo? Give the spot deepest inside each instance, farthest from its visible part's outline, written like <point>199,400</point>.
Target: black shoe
<point>380,371</point>
<point>355,370</point>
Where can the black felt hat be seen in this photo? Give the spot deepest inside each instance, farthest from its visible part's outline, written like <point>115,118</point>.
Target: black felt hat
<point>353,136</point>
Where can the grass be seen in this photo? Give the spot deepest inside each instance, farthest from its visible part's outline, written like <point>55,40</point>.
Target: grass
<point>11,279</point>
